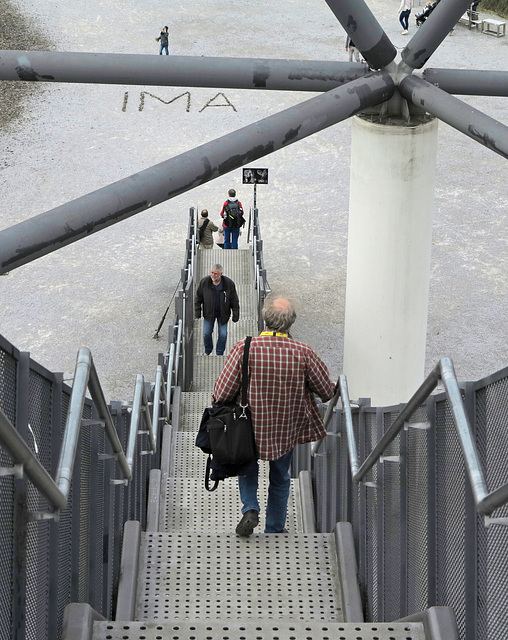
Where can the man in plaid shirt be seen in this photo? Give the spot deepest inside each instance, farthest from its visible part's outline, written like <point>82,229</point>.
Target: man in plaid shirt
<point>284,375</point>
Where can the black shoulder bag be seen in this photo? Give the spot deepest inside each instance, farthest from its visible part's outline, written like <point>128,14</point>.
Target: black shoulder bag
<point>226,433</point>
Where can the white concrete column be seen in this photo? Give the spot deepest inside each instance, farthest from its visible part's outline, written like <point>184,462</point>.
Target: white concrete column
<point>388,264</point>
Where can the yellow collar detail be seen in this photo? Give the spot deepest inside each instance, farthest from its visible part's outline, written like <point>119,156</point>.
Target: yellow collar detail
<point>273,333</point>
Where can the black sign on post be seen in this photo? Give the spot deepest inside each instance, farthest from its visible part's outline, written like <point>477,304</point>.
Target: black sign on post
<point>255,176</point>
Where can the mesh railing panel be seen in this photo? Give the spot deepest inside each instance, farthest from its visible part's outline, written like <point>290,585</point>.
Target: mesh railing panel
<point>417,515</point>
<point>450,516</point>
<point>391,529</point>
<point>370,502</point>
<point>8,372</point>
<point>38,538</point>
<point>77,557</point>
<point>492,442</point>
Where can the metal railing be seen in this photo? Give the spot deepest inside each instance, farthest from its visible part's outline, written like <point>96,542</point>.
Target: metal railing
<point>444,371</point>
<point>419,502</point>
<point>62,537</point>
<point>261,282</point>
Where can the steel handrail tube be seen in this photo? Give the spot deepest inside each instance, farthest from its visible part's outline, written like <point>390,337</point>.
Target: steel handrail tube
<point>464,431</point>
<point>425,389</point>
<point>351,442</point>
<point>73,422</point>
<point>493,500</point>
<point>99,401</point>
<point>157,404</point>
<point>148,420</point>
<point>177,351</point>
<point>169,383</point>
<point>135,417</point>
<point>21,454</point>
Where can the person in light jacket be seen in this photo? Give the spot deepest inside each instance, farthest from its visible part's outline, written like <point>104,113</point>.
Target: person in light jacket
<point>206,229</point>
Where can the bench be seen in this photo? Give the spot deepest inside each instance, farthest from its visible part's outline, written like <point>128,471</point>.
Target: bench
<point>471,19</point>
<point>494,27</point>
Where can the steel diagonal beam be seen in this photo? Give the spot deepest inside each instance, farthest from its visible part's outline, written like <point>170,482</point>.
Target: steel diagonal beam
<point>469,82</point>
<point>433,31</point>
<point>177,71</point>
<point>457,114</point>
<point>365,31</point>
<point>79,218</point>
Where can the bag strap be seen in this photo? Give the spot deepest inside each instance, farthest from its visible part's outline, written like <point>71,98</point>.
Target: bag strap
<point>245,370</point>
<point>208,471</point>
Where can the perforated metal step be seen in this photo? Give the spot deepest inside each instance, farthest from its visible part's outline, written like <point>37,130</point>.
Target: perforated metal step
<point>256,630</point>
<point>246,326</point>
<point>196,576</point>
<point>236,264</point>
<point>206,369</point>
<point>191,409</point>
<point>189,507</point>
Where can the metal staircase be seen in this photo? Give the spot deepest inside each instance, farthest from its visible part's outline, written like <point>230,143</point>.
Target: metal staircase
<point>196,579</point>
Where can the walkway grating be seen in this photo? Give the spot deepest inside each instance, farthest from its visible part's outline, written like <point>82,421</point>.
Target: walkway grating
<point>197,580</point>
<point>256,630</point>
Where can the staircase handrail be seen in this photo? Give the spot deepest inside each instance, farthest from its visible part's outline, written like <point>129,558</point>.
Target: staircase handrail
<point>444,371</point>
<point>261,283</point>
<point>159,400</point>
<point>22,456</point>
<point>140,406</point>
<point>56,491</point>
<point>341,391</point>
<point>85,376</point>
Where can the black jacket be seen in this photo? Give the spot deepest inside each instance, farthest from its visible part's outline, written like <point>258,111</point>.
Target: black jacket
<point>205,297</point>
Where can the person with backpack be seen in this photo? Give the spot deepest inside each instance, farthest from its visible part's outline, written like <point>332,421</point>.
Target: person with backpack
<point>206,229</point>
<point>233,220</point>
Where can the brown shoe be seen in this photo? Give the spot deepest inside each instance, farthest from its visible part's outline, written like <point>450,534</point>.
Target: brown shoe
<point>249,521</point>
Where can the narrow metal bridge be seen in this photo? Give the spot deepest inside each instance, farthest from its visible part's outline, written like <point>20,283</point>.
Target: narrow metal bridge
<point>392,549</point>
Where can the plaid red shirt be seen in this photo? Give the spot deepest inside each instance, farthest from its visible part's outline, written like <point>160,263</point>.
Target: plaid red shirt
<point>284,374</point>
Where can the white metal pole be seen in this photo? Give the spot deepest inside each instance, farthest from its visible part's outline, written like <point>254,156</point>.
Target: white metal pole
<point>388,265</point>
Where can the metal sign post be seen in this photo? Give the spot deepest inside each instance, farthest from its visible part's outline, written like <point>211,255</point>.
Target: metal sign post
<point>255,177</point>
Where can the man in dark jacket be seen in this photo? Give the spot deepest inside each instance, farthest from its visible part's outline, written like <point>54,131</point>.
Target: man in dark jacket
<point>217,296</point>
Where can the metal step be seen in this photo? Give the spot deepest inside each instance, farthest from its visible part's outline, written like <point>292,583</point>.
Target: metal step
<point>257,630</point>
<point>236,264</point>
<point>197,576</point>
<point>188,507</point>
<point>205,370</point>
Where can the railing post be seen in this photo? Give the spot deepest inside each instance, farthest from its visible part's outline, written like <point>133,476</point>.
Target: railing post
<point>20,510</point>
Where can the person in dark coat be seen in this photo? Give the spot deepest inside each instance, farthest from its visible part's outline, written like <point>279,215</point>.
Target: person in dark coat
<point>217,299</point>
<point>164,40</point>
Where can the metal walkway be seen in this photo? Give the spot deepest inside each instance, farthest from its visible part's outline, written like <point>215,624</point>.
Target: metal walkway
<point>196,579</point>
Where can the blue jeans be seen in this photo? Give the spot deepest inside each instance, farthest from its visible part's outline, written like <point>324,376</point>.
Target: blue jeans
<point>404,19</point>
<point>231,238</point>
<point>278,492</point>
<point>207,336</point>
<point>164,47</point>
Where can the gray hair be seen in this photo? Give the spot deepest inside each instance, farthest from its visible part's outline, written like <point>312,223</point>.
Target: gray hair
<point>217,267</point>
<point>279,314</point>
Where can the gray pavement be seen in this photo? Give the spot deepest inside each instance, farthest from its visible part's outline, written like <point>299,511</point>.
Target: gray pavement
<point>108,292</point>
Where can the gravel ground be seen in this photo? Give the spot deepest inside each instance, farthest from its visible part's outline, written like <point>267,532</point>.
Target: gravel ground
<point>18,31</point>
<point>108,292</point>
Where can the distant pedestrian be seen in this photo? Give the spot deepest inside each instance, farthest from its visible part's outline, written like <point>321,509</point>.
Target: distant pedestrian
<point>206,229</point>
<point>164,40</point>
<point>352,50</point>
<point>404,13</point>
<point>233,220</point>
